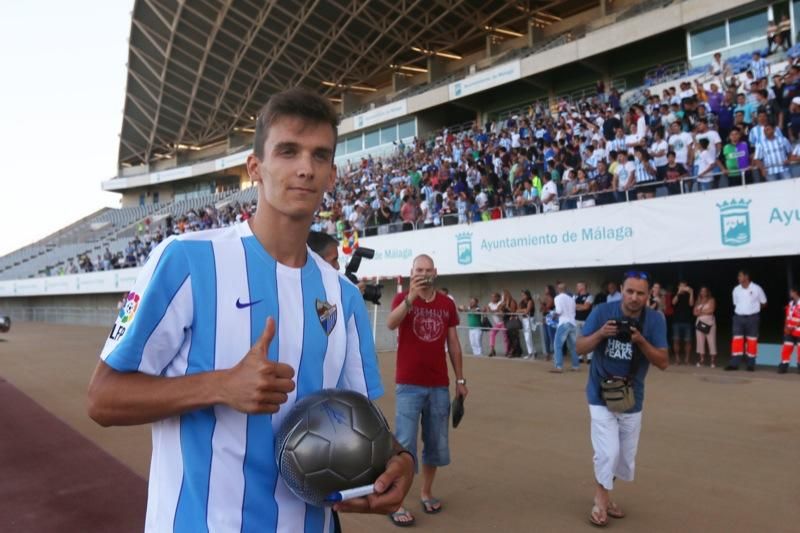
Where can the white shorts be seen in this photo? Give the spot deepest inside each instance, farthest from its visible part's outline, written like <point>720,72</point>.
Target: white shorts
<point>615,438</point>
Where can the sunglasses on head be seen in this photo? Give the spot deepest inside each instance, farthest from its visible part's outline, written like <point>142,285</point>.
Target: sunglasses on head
<point>638,274</point>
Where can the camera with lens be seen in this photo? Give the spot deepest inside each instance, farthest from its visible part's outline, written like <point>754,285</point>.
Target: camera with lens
<point>372,293</point>
<point>624,326</point>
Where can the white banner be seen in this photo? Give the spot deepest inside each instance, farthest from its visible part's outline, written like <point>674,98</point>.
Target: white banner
<point>485,79</point>
<point>120,281</point>
<point>755,221</point>
<point>381,114</point>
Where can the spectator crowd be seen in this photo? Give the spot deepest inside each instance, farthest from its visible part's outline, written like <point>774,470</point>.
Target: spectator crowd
<point>716,131</point>
<point>149,235</point>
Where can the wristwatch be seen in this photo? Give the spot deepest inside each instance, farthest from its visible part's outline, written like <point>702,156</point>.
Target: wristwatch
<point>461,381</point>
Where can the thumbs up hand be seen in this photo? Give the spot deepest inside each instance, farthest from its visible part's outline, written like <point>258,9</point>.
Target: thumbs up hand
<point>256,384</point>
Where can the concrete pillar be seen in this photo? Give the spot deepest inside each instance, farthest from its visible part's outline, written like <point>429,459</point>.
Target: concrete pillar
<point>491,48</point>
<point>435,69</point>
<point>399,82</point>
<point>535,35</point>
<point>349,103</point>
<point>603,8</point>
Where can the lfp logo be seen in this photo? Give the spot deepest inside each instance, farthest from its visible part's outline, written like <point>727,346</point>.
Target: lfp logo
<point>129,308</point>
<point>734,222</point>
<point>464,248</point>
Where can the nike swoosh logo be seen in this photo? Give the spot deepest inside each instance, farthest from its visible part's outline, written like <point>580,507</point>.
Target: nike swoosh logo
<point>240,305</point>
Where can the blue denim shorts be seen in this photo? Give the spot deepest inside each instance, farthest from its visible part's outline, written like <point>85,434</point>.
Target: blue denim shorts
<point>682,331</point>
<point>433,405</point>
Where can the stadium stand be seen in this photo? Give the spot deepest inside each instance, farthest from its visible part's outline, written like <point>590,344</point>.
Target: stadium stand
<point>545,137</point>
<point>508,158</point>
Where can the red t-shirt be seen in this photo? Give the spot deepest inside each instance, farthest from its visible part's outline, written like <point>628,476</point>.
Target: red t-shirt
<point>421,358</point>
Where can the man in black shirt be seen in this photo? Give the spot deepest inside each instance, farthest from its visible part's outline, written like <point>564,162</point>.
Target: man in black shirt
<point>682,322</point>
<point>610,125</point>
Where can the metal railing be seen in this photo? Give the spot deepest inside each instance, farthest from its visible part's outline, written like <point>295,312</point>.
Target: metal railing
<point>686,185</point>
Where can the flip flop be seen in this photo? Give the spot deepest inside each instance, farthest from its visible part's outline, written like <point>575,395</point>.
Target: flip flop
<point>614,511</point>
<point>428,505</point>
<point>400,523</point>
<point>594,518</point>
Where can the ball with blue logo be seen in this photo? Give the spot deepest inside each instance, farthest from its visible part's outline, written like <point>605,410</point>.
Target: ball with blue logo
<point>330,441</point>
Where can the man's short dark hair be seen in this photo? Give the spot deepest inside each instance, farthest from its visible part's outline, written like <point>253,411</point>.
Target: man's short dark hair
<point>744,272</point>
<point>318,241</point>
<point>295,102</point>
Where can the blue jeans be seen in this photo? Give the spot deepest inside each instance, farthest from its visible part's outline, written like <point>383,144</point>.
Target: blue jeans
<point>548,336</point>
<point>566,332</point>
<point>775,176</point>
<point>433,405</point>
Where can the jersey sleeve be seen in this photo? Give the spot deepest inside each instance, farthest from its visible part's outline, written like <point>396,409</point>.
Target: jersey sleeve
<point>152,324</point>
<point>657,326</point>
<point>360,372</point>
<point>759,150</point>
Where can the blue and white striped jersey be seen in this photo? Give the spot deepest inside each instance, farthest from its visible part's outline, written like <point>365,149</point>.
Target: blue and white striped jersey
<point>199,304</point>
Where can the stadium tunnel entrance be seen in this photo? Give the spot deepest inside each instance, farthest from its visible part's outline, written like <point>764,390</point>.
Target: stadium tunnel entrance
<point>774,274</point>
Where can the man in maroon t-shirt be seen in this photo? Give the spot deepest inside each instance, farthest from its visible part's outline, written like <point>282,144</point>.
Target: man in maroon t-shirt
<point>427,319</point>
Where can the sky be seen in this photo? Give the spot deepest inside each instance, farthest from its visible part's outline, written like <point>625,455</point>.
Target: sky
<point>61,99</point>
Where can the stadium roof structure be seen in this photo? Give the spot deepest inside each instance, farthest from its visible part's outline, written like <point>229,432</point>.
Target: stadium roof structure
<point>200,69</point>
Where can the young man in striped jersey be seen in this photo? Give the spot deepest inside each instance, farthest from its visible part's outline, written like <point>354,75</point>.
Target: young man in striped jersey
<point>225,329</point>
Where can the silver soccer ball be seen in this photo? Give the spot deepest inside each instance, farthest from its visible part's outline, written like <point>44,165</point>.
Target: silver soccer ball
<point>332,440</point>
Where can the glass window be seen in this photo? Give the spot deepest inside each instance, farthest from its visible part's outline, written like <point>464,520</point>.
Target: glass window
<point>389,134</point>
<point>408,129</point>
<point>708,40</point>
<point>353,144</point>
<point>340,147</point>
<point>747,27</point>
<point>372,138</point>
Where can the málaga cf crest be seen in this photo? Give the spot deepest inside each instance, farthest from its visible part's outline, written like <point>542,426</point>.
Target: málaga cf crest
<point>327,316</point>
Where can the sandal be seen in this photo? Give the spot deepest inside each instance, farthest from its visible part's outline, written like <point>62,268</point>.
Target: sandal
<point>395,518</point>
<point>595,518</point>
<point>429,505</point>
<point>614,511</point>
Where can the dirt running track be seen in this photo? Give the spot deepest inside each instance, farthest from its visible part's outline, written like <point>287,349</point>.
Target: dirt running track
<point>720,452</point>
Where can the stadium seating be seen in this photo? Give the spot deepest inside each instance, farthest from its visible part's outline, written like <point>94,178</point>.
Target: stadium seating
<point>113,229</point>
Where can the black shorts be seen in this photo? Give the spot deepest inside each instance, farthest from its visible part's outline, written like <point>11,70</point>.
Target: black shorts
<point>746,326</point>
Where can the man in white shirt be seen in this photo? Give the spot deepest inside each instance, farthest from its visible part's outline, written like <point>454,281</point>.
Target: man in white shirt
<point>567,329</point>
<point>748,301</point>
<point>357,219</point>
<point>549,194</point>
<point>623,176</point>
<point>714,140</point>
<point>680,142</point>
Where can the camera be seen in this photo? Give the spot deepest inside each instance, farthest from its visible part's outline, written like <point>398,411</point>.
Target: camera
<point>624,326</point>
<point>372,293</point>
